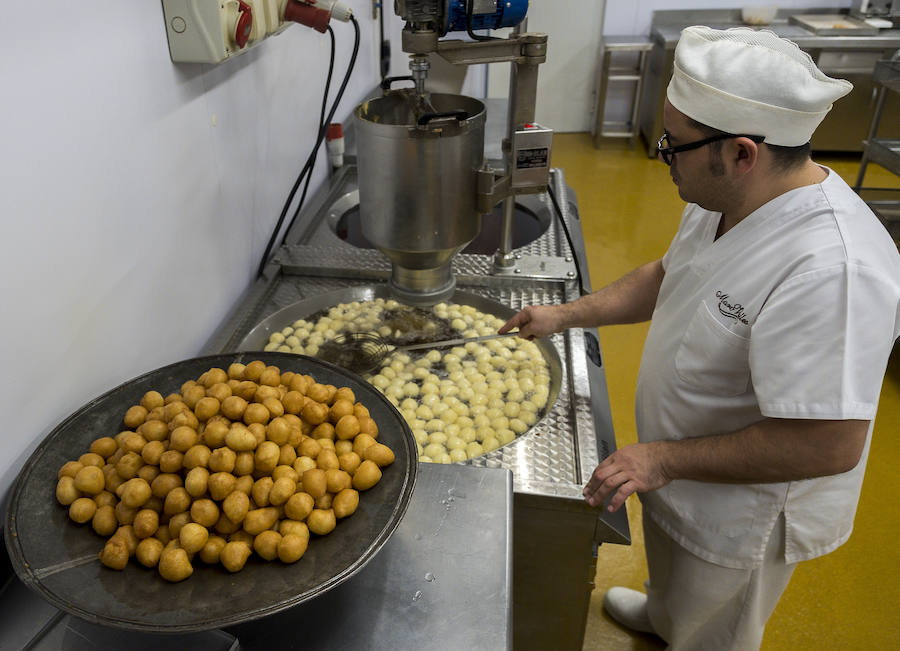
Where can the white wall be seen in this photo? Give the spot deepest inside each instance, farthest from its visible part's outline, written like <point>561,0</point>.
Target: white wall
<point>138,195</point>
<point>566,80</point>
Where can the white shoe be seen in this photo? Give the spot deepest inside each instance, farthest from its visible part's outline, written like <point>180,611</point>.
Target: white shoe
<point>629,608</point>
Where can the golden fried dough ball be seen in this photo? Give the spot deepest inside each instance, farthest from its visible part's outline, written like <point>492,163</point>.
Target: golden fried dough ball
<point>345,503</point>
<point>212,549</point>
<point>66,493</point>
<point>104,521</point>
<point>299,506</point>
<point>291,548</point>
<point>234,554</point>
<point>220,485</point>
<point>314,482</point>
<point>366,476</point>
<point>114,554</point>
<point>266,544</point>
<point>135,492</point>
<point>381,454</point>
<point>347,427</point>
<point>193,537</point>
<point>69,469</point>
<point>192,395</point>
<point>278,431</point>
<point>327,459</point>
<point>148,552</point>
<point>349,462</point>
<point>281,491</point>
<point>174,564</point>
<point>204,512</point>
<point>236,506</point>
<point>261,489</point>
<point>145,523</point>
<point>104,446</point>
<point>90,480</point>
<point>222,460</point>
<point>82,510</point>
<point>321,521</point>
<point>258,520</point>
<point>314,412</point>
<point>256,413</point>
<point>151,400</point>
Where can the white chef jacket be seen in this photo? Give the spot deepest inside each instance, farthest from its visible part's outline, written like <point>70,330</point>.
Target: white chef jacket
<point>790,314</point>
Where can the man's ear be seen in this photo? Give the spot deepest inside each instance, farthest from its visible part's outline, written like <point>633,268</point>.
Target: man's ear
<point>745,154</point>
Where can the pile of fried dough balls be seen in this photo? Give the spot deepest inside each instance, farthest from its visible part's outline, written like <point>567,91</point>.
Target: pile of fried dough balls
<point>240,461</point>
<point>460,403</point>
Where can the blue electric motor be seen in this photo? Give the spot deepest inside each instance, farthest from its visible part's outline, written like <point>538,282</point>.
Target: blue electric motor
<point>463,15</point>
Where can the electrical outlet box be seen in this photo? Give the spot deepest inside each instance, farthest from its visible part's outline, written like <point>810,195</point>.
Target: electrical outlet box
<point>210,31</point>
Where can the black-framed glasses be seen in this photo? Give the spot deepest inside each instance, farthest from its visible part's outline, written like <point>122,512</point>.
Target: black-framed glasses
<point>667,151</point>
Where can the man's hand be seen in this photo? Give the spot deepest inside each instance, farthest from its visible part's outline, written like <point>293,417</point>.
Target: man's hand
<point>537,321</point>
<point>634,468</point>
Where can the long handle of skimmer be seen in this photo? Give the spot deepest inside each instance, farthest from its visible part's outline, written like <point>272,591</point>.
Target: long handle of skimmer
<point>455,342</point>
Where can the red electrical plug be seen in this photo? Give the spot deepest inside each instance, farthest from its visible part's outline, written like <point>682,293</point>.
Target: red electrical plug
<point>244,24</point>
<point>316,13</point>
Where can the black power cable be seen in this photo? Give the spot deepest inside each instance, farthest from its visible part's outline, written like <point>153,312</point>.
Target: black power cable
<point>565,226</point>
<point>310,161</point>
<point>322,125</point>
<point>385,43</point>
<point>471,33</point>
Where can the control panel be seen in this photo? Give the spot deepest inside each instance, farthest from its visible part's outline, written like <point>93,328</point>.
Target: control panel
<point>531,156</point>
<point>210,31</point>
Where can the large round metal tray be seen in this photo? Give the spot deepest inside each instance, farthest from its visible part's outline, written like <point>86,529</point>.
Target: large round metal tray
<point>58,558</point>
<point>258,337</point>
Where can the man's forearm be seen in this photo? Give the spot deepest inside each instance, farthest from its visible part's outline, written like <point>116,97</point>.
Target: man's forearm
<point>630,299</point>
<point>771,450</point>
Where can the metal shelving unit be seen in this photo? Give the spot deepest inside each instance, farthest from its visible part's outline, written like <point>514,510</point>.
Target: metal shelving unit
<point>883,151</point>
<point>639,46</point>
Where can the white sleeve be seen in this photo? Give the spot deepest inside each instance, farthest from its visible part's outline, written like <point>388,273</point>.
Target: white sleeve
<point>820,345</point>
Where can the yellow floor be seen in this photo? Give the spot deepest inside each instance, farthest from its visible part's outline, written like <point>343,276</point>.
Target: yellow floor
<point>846,600</point>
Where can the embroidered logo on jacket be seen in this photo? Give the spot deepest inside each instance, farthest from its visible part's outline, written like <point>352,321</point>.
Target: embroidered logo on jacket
<point>731,310</point>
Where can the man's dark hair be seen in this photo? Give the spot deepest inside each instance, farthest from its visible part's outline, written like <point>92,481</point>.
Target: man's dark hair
<point>784,158</point>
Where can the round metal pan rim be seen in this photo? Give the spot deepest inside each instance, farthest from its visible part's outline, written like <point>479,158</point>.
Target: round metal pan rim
<point>19,524</point>
<point>258,337</point>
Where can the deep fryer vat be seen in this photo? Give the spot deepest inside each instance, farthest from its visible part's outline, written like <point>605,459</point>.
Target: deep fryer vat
<point>257,338</point>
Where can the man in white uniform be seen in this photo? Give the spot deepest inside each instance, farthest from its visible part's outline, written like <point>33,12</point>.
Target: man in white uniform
<point>774,312</point>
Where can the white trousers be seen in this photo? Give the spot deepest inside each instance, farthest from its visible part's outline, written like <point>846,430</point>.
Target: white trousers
<point>695,605</point>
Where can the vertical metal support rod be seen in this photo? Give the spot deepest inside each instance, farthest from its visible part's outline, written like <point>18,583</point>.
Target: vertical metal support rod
<point>503,258</point>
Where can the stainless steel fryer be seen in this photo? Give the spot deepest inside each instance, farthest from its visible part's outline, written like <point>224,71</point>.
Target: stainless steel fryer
<point>555,533</point>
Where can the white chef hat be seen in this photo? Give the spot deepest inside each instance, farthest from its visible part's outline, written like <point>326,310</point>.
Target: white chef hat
<point>749,81</point>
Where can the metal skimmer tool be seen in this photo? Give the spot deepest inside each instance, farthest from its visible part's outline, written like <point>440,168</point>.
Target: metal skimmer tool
<point>363,352</point>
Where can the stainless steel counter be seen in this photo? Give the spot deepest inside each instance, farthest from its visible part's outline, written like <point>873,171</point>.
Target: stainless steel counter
<point>667,26</point>
<point>443,581</point>
<point>850,57</point>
